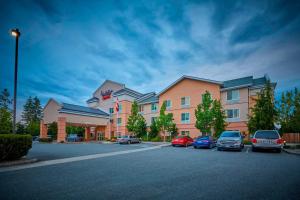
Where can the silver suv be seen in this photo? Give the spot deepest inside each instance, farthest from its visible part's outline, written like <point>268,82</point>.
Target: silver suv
<point>267,139</point>
<point>128,139</point>
<point>230,140</point>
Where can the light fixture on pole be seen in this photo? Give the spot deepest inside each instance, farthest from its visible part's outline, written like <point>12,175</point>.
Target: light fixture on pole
<point>16,33</point>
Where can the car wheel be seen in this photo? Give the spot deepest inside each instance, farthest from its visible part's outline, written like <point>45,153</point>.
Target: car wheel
<point>219,149</point>
<point>210,146</point>
<point>195,147</point>
<point>278,150</point>
<point>254,149</point>
<point>173,145</point>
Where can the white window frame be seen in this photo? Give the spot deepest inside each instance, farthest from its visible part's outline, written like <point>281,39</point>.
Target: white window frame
<point>185,121</point>
<point>119,124</point>
<point>187,101</point>
<point>168,107</point>
<point>236,99</point>
<point>234,118</point>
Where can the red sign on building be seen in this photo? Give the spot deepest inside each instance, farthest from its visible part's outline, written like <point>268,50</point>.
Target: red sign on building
<point>106,94</point>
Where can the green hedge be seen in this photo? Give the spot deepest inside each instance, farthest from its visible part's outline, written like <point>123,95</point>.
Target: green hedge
<point>47,140</point>
<point>14,146</point>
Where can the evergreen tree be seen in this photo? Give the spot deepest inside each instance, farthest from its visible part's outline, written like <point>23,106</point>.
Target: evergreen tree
<point>204,114</point>
<point>27,114</point>
<point>136,122</point>
<point>219,117</point>
<point>154,130</point>
<point>5,113</point>
<point>263,114</point>
<point>164,121</point>
<point>295,119</point>
<point>21,129</point>
<point>32,114</point>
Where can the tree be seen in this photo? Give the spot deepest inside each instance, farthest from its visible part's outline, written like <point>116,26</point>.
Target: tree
<point>219,117</point>
<point>154,129</point>
<point>5,113</point>
<point>164,120</point>
<point>289,111</point>
<point>32,114</point>
<point>204,114</point>
<point>21,129</point>
<point>136,122</point>
<point>52,129</point>
<point>5,101</point>
<point>263,114</point>
<point>173,130</point>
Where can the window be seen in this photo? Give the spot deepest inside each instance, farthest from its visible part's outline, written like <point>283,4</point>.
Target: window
<point>185,133</point>
<point>141,108</point>
<point>185,101</point>
<point>233,113</point>
<point>120,108</point>
<point>119,121</point>
<point>153,119</point>
<point>154,107</point>
<point>111,110</point>
<point>233,95</point>
<point>168,104</point>
<point>185,118</point>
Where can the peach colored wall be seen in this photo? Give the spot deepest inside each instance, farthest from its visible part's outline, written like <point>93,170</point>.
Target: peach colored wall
<point>124,114</point>
<point>148,114</point>
<point>193,89</point>
<point>50,112</point>
<point>241,126</point>
<point>241,104</point>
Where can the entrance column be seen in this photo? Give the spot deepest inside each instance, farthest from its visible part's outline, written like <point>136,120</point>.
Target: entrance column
<point>43,129</point>
<point>61,129</point>
<point>87,134</point>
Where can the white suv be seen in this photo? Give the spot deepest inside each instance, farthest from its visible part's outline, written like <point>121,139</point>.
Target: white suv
<point>267,139</point>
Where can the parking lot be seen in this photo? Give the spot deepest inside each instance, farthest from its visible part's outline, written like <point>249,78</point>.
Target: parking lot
<point>160,173</point>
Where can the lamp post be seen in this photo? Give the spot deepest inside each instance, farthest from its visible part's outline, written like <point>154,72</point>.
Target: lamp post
<point>16,33</point>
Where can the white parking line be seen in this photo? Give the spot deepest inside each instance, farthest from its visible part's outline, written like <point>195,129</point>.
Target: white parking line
<point>247,151</point>
<point>213,149</point>
<point>77,158</point>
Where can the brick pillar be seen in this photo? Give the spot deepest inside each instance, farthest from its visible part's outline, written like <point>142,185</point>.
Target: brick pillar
<point>87,134</point>
<point>61,129</point>
<point>43,129</point>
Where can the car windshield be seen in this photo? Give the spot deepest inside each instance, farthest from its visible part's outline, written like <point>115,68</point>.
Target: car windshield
<point>230,134</point>
<point>266,135</point>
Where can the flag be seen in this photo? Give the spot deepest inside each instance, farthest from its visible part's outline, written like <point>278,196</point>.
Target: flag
<point>117,105</point>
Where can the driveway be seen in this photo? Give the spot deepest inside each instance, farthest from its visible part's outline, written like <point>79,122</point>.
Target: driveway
<point>161,173</point>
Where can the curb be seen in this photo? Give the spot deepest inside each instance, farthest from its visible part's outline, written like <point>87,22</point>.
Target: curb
<point>18,162</point>
<point>291,152</point>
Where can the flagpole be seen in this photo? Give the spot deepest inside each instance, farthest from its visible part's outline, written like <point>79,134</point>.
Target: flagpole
<point>117,123</point>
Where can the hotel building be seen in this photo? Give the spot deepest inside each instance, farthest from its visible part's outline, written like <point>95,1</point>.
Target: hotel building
<point>182,97</point>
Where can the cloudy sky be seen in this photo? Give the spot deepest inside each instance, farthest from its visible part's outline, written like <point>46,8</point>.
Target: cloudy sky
<point>68,48</point>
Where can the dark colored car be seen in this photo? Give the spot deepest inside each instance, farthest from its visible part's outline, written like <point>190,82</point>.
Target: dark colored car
<point>74,138</point>
<point>204,141</point>
<point>182,141</point>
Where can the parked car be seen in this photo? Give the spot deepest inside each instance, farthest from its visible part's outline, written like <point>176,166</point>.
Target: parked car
<point>230,140</point>
<point>128,139</point>
<point>182,140</point>
<point>267,139</point>
<point>204,141</point>
<point>74,138</point>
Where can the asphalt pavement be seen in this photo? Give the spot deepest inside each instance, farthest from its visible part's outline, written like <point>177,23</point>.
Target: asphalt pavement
<point>163,173</point>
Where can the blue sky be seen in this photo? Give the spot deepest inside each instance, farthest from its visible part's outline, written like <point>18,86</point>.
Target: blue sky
<point>68,48</point>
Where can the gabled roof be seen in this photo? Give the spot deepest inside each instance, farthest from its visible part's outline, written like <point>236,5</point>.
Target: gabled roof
<point>191,78</point>
<point>109,81</point>
<point>82,110</point>
<point>93,99</point>
<point>51,99</point>
<point>148,98</point>
<point>127,91</point>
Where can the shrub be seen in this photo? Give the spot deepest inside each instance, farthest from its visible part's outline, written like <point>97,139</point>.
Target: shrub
<point>156,139</point>
<point>247,142</point>
<point>14,146</point>
<point>46,140</point>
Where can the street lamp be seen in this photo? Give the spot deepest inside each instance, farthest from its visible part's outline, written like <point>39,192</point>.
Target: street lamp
<point>16,33</point>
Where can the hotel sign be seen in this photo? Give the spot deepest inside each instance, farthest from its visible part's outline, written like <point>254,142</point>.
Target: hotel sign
<point>106,94</point>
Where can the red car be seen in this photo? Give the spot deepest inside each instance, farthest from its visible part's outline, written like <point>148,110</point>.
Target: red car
<point>182,141</point>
